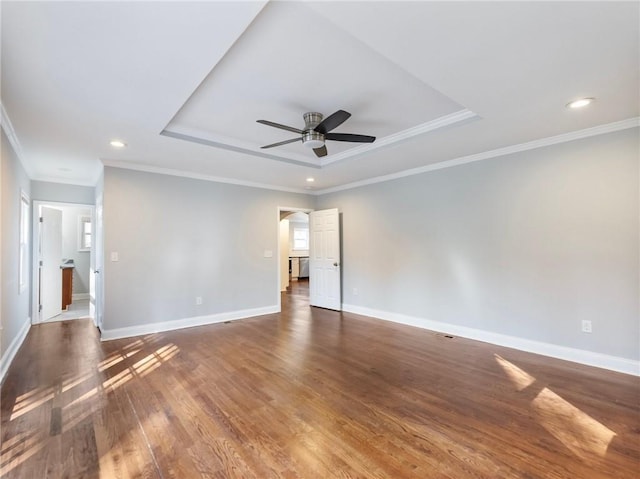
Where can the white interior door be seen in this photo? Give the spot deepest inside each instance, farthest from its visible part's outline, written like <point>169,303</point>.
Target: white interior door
<point>324,259</point>
<point>50,259</point>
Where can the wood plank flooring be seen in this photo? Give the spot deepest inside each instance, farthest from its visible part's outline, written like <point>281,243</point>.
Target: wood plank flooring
<point>308,393</point>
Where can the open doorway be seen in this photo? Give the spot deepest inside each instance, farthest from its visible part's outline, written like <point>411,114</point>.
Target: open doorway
<point>322,258</point>
<point>293,248</point>
<point>63,261</point>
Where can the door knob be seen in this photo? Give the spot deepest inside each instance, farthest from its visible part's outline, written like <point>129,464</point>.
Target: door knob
<point>336,264</point>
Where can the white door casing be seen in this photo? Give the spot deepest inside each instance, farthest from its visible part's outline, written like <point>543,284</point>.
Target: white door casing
<point>92,270</point>
<point>50,259</point>
<point>97,296</point>
<point>324,259</point>
<point>284,255</point>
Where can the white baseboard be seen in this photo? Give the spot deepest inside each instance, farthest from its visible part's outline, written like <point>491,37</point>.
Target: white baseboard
<point>10,353</point>
<point>139,330</point>
<point>79,296</point>
<point>613,363</point>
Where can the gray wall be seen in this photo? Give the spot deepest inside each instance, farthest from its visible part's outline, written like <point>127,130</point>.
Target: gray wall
<point>178,238</point>
<point>15,305</point>
<point>62,193</point>
<point>525,245</point>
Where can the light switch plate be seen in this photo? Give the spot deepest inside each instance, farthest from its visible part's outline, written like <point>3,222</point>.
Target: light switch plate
<point>114,256</point>
<point>268,253</point>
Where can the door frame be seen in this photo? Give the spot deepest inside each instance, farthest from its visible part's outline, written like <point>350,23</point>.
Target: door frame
<point>35,256</point>
<point>280,209</point>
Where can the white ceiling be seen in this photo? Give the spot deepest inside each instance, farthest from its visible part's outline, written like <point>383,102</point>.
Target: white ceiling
<point>183,83</point>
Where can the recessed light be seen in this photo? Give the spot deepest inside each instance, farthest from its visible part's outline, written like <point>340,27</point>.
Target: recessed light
<point>64,170</point>
<point>117,143</point>
<point>310,180</point>
<point>580,103</point>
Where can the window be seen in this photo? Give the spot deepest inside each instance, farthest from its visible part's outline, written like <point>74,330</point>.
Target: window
<point>300,239</point>
<point>84,233</point>
<point>24,242</point>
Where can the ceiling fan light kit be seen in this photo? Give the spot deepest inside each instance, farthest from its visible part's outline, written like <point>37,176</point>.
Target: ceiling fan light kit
<point>310,137</point>
<point>316,132</point>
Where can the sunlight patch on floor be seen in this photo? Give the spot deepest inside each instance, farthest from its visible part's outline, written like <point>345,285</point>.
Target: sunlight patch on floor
<point>155,359</point>
<point>73,382</point>
<point>118,380</point>
<point>32,403</point>
<point>115,359</point>
<point>89,394</point>
<point>583,435</point>
<point>33,392</point>
<point>142,367</point>
<point>17,440</point>
<point>20,454</point>
<point>520,379</point>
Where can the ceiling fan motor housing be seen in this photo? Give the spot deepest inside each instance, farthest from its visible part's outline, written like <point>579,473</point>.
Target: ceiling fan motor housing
<point>310,137</point>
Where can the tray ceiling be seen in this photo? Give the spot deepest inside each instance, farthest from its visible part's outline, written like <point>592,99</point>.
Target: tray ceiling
<point>260,78</point>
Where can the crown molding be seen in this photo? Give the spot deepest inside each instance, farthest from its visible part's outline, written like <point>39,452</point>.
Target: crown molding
<point>199,176</point>
<point>507,150</point>
<point>441,122</point>
<point>7,127</point>
<point>200,138</point>
<point>64,181</point>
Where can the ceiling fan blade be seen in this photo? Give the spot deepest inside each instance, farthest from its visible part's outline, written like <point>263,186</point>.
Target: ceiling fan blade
<point>278,125</point>
<point>282,143</point>
<point>332,121</point>
<point>350,137</point>
<point>320,152</point>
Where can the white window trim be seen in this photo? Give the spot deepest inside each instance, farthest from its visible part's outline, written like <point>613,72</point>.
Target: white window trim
<point>294,239</point>
<point>82,220</point>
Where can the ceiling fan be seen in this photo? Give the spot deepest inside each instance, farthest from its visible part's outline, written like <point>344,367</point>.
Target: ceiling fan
<point>316,131</point>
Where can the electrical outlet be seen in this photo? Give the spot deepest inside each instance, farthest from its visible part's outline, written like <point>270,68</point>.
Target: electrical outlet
<point>586,326</point>
<point>198,300</point>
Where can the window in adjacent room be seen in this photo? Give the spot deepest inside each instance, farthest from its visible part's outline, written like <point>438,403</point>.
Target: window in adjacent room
<point>300,239</point>
<point>84,233</point>
<point>24,242</point>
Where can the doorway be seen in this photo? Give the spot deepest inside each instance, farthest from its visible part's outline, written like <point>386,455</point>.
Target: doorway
<point>293,252</point>
<point>63,261</point>
<point>323,265</point>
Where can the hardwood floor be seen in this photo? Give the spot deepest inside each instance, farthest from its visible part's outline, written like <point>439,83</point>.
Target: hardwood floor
<point>308,393</point>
